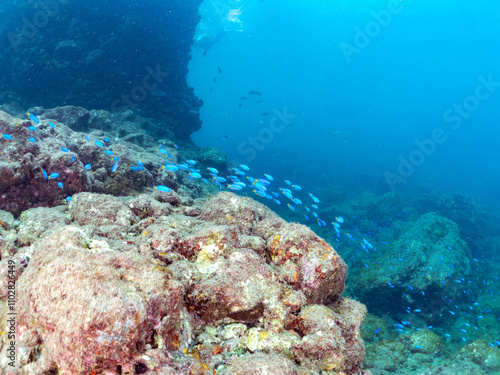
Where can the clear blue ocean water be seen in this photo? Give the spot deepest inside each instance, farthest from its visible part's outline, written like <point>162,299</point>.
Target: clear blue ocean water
<point>366,82</point>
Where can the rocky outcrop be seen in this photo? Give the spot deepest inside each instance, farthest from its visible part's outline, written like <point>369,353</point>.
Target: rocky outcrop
<point>134,285</point>
<point>103,56</point>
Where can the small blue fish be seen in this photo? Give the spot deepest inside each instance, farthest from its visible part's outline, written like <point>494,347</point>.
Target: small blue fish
<point>291,207</point>
<point>73,158</point>
<point>269,177</point>
<point>114,167</point>
<point>87,138</point>
<point>64,149</point>
<point>108,152</point>
<point>7,137</point>
<point>259,186</point>
<point>176,146</point>
<point>340,219</point>
<point>68,199</point>
<point>45,175</point>
<point>162,188</point>
<point>195,175</point>
<point>316,200</point>
<point>260,193</point>
<point>296,201</point>
<point>192,162</point>
<point>234,187</point>
<point>33,118</point>
<point>277,201</point>
<point>220,179</point>
<point>116,158</point>
<point>106,140</point>
<point>99,143</point>
<point>140,163</point>
<point>297,187</point>
<point>307,218</point>
<point>213,170</point>
<point>53,175</point>
<point>87,166</point>
<point>134,168</point>
<point>315,206</point>
<point>244,167</point>
<point>288,182</point>
<point>52,125</point>
<point>171,167</point>
<point>162,151</point>
<point>60,184</point>
<point>263,181</point>
<point>184,166</point>
<point>140,167</point>
<point>32,139</point>
<point>31,127</point>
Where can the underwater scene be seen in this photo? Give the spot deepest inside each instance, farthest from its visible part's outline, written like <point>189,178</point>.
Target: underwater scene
<point>249,187</point>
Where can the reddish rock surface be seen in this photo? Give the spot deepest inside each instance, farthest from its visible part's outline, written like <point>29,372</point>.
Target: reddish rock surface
<point>111,285</point>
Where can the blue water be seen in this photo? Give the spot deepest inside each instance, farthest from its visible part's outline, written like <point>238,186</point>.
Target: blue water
<point>359,106</point>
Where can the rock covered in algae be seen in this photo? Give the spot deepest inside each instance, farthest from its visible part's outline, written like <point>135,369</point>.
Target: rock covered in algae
<point>431,257</point>
<point>93,308</point>
<point>124,285</point>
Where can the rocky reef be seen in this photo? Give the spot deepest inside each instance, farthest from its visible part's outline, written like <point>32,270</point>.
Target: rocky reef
<point>425,268</point>
<point>114,276</point>
<point>126,279</point>
<point>58,51</point>
<point>112,285</point>
<point>57,147</point>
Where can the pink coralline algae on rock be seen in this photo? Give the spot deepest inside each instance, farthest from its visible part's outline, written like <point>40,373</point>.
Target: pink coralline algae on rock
<point>93,308</point>
<point>134,285</point>
<point>35,152</point>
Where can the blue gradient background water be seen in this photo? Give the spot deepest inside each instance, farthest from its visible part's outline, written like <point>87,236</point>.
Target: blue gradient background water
<point>354,119</point>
